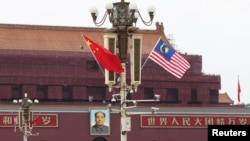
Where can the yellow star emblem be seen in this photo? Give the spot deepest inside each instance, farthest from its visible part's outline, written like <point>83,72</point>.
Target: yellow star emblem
<point>96,49</point>
<point>89,43</point>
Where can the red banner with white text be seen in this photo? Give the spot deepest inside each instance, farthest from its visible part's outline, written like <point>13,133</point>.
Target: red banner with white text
<point>39,120</point>
<point>192,121</point>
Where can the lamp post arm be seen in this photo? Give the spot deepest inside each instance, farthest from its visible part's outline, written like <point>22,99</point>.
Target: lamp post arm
<point>143,100</point>
<point>100,23</point>
<point>148,23</point>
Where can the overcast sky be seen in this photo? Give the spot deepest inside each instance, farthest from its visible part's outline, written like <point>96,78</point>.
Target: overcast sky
<point>219,30</point>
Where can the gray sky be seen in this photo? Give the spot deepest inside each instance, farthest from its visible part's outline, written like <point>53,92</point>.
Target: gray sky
<point>219,30</point>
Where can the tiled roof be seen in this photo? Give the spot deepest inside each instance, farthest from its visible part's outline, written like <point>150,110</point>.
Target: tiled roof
<point>225,99</point>
<point>59,38</point>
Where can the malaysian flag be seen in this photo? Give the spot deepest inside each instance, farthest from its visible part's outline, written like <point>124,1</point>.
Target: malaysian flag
<point>169,59</point>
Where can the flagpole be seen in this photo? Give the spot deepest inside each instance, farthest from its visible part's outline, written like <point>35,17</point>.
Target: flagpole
<point>150,54</point>
<point>238,90</point>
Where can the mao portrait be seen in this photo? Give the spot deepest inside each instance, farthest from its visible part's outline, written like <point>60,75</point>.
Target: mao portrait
<point>99,121</point>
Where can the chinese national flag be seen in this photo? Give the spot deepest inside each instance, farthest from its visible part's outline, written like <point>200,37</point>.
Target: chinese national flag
<point>239,90</point>
<point>107,59</point>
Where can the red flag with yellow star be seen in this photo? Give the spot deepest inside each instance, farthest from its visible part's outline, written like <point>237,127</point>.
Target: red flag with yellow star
<point>107,59</point>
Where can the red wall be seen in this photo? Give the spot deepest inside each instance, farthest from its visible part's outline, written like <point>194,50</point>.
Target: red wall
<point>75,127</point>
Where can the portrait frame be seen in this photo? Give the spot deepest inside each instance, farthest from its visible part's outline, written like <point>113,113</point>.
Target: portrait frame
<point>93,111</point>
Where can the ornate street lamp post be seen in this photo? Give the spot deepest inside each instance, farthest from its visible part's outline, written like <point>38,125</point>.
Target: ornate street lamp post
<point>25,116</point>
<point>123,16</point>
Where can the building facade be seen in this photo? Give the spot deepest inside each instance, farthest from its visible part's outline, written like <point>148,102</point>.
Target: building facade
<point>48,63</point>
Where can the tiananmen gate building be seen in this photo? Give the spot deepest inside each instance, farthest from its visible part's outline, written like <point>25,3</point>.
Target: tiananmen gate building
<point>54,65</point>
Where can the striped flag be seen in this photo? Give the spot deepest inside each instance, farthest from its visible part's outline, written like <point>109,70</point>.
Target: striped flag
<point>169,59</point>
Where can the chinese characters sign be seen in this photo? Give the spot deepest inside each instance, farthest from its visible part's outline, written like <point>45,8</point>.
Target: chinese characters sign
<point>192,121</point>
<point>39,120</point>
